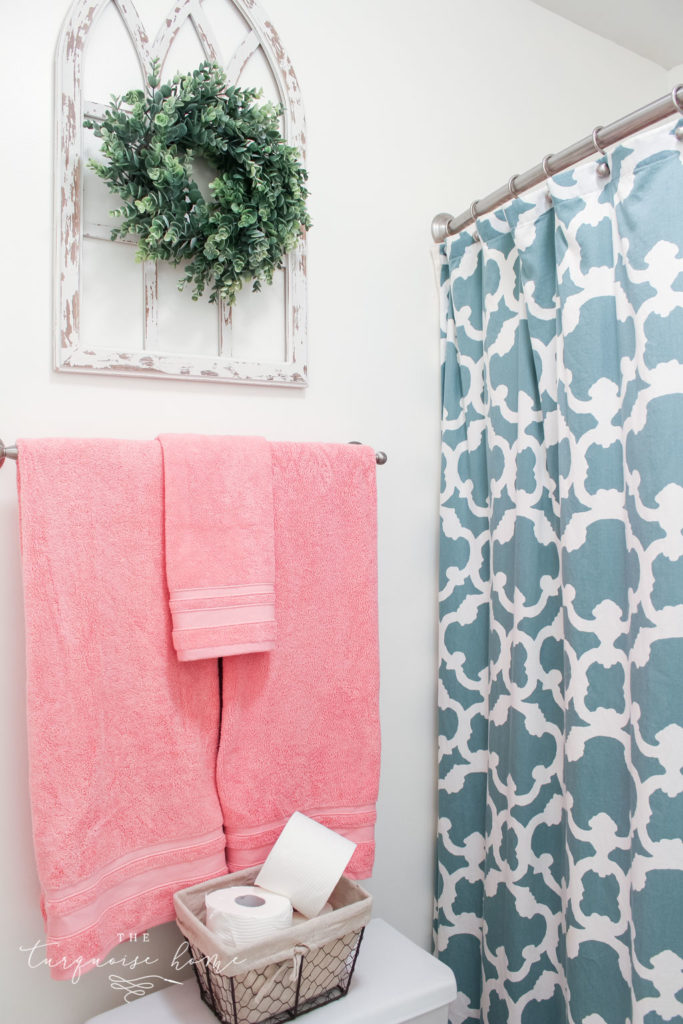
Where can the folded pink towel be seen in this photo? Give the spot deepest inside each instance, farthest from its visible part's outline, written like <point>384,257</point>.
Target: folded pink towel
<point>220,562</point>
<point>300,728</point>
<point>122,736</point>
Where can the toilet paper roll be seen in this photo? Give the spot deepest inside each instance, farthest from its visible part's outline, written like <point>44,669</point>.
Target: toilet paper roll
<point>298,918</point>
<point>306,863</point>
<point>242,914</point>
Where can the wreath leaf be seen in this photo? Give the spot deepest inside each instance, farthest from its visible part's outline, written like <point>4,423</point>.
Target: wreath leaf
<point>256,212</point>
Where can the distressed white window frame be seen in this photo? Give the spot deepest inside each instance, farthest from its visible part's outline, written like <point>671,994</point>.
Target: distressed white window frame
<point>74,353</point>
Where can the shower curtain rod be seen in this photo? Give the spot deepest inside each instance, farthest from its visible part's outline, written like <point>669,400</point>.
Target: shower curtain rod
<point>444,225</point>
<point>10,451</point>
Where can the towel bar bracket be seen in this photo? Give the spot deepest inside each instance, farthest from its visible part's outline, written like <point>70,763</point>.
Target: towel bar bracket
<point>7,452</point>
<point>10,452</point>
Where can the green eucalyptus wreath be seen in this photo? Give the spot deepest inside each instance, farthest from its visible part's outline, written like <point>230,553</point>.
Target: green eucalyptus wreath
<point>257,210</point>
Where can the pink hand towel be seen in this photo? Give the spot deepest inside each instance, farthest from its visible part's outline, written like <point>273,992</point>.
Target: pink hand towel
<point>300,728</point>
<point>122,737</point>
<point>220,562</point>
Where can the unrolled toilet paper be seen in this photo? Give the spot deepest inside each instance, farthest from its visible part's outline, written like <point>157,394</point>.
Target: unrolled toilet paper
<point>306,863</point>
<point>242,914</point>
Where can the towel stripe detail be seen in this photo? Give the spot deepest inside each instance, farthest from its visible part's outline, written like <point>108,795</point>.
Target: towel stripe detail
<point>196,593</point>
<point>62,926</point>
<point>250,846</point>
<point>181,847</point>
<point>226,638</point>
<point>341,816</point>
<point>197,653</point>
<point>216,622</point>
<point>197,618</point>
<point>239,859</point>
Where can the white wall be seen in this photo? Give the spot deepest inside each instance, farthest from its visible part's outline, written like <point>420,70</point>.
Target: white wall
<point>674,76</point>
<point>411,108</point>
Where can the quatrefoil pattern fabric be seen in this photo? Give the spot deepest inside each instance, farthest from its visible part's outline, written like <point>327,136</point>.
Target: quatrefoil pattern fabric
<point>560,851</point>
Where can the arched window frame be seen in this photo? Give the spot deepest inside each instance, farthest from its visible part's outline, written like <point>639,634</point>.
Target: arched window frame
<point>72,351</point>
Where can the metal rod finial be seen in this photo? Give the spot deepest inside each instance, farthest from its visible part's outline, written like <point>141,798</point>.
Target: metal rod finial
<point>440,226</point>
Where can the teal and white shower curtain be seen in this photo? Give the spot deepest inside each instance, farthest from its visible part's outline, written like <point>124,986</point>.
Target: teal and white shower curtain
<point>560,833</point>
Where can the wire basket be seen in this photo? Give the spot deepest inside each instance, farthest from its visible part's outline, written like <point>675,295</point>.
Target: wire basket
<point>278,979</point>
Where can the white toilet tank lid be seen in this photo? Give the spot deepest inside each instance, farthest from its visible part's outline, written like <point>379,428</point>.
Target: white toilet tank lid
<point>394,981</point>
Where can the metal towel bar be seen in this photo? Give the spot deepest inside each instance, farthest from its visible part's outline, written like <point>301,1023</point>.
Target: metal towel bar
<point>10,452</point>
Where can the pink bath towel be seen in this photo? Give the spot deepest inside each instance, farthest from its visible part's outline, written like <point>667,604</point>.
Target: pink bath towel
<point>300,728</point>
<point>220,561</point>
<point>122,736</point>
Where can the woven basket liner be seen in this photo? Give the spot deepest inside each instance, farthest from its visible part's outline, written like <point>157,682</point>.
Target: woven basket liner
<point>351,910</point>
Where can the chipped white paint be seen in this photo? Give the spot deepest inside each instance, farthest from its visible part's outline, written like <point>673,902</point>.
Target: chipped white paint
<point>150,277</point>
<point>244,51</point>
<point>143,358</point>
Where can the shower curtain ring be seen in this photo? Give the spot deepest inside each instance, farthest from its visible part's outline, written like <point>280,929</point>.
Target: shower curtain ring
<point>678,132</point>
<point>473,215</point>
<point>512,188</point>
<point>602,169</point>
<point>545,164</point>
<point>596,143</point>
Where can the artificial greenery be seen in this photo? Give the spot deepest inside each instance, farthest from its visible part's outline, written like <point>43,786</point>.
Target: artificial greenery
<point>257,209</point>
